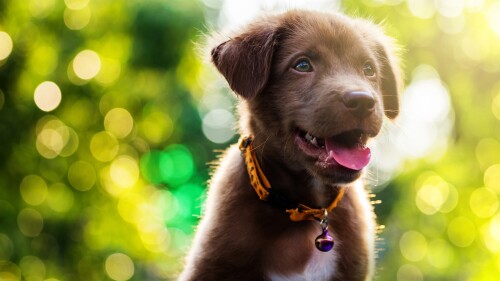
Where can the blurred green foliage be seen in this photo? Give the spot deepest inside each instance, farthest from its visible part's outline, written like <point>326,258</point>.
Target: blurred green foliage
<point>106,126</point>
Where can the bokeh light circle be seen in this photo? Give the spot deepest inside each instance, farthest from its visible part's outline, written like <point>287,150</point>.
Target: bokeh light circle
<point>47,96</point>
<point>44,59</point>
<point>450,9</point>
<point>76,4</point>
<point>6,248</point>
<point>409,272</point>
<point>49,143</point>
<point>441,254</point>
<point>119,267</point>
<point>157,126</point>
<point>487,151</point>
<point>174,165</point>
<point>32,268</point>
<point>77,19</point>
<point>189,198</point>
<point>33,190</point>
<point>119,122</point>
<point>422,8</point>
<point>6,45</point>
<point>495,106</point>
<point>2,99</point>
<point>104,146</point>
<point>41,9</point>
<point>110,71</point>
<point>461,231</point>
<point>413,246</point>
<point>60,198</point>
<point>156,241</point>
<point>483,202</point>
<point>71,141</point>
<point>493,17</point>
<point>54,138</point>
<point>86,64</point>
<point>219,125</point>
<point>490,235</point>
<point>30,222</point>
<point>435,195</point>
<point>492,178</point>
<point>124,171</point>
<point>82,175</point>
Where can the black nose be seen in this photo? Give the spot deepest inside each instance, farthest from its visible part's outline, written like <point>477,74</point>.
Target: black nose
<point>359,103</point>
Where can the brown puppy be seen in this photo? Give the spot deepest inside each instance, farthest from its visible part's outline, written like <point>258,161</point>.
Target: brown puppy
<point>314,89</point>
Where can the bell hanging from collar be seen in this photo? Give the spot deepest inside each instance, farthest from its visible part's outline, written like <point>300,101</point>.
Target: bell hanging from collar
<point>324,242</point>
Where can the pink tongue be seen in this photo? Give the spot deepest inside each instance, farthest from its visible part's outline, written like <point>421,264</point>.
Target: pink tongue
<point>355,158</point>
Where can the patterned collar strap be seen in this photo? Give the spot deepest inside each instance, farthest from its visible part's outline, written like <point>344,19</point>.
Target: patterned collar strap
<point>262,187</point>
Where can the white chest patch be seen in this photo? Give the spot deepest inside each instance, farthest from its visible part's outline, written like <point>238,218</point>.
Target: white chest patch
<point>321,266</point>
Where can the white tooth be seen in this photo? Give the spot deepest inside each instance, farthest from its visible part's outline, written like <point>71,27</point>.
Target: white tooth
<point>312,139</point>
<point>309,137</point>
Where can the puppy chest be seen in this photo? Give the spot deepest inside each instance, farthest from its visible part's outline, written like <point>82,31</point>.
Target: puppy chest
<point>320,266</point>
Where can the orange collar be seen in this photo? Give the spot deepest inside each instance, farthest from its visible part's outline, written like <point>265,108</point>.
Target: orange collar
<point>262,187</point>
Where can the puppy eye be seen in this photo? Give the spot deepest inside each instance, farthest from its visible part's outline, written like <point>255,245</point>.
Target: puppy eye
<point>303,65</point>
<point>369,70</point>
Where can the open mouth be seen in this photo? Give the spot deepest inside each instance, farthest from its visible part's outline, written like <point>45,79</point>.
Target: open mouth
<point>347,149</point>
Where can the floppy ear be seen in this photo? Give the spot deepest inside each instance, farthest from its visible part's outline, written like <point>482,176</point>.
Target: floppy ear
<point>245,60</point>
<point>391,80</point>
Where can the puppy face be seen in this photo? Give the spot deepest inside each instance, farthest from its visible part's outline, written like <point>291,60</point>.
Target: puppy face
<point>317,86</point>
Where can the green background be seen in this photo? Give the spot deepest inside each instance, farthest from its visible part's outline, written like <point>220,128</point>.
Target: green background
<point>108,182</point>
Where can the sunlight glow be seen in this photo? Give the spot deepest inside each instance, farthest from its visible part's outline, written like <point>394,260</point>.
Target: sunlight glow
<point>421,130</point>
<point>235,13</point>
<point>493,17</point>
<point>450,9</point>
<point>426,124</point>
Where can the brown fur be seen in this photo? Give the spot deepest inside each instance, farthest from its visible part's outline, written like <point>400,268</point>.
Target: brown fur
<point>243,238</point>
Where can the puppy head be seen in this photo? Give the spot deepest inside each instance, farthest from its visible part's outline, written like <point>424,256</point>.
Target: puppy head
<point>316,85</point>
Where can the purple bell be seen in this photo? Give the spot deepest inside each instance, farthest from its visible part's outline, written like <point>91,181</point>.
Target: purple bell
<point>324,242</point>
